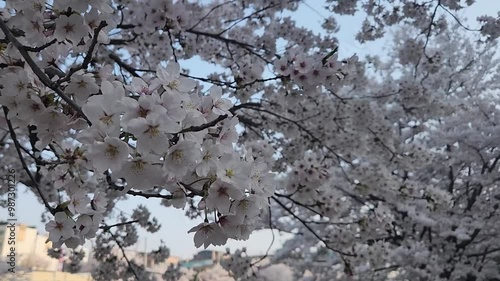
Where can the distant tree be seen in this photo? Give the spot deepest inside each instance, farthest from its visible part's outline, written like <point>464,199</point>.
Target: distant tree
<point>74,262</point>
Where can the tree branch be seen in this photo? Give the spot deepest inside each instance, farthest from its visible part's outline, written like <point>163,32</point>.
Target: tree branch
<point>88,56</point>
<point>124,254</point>
<point>108,227</point>
<point>25,166</point>
<point>311,230</point>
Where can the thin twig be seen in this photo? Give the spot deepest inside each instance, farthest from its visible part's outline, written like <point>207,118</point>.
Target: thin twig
<point>299,204</point>
<point>40,48</point>
<point>457,20</point>
<point>190,188</point>
<point>88,56</point>
<point>122,64</point>
<point>311,230</point>
<point>304,129</point>
<point>172,44</point>
<point>25,166</point>
<point>108,227</point>
<point>272,232</point>
<point>218,119</point>
<point>209,12</point>
<point>124,254</point>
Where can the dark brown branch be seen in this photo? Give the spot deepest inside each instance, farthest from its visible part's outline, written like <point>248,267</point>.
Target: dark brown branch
<point>25,166</point>
<point>211,10</point>
<point>493,165</point>
<point>218,119</point>
<point>483,253</point>
<point>133,71</point>
<point>112,185</point>
<point>457,20</point>
<point>172,45</point>
<point>149,195</point>
<point>391,267</point>
<point>121,41</point>
<point>122,64</point>
<point>243,45</point>
<point>235,22</point>
<point>429,29</point>
<point>451,177</point>
<point>40,48</point>
<point>108,227</point>
<point>299,204</point>
<point>88,56</point>
<point>466,243</point>
<point>193,191</point>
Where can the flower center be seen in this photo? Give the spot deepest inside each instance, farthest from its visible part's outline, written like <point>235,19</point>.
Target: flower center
<point>207,157</point>
<point>59,226</point>
<point>222,191</point>
<point>143,112</point>
<point>35,107</point>
<point>69,28</point>
<point>153,131</point>
<point>177,155</point>
<point>244,204</point>
<point>207,230</point>
<point>20,86</point>
<point>173,84</point>
<point>111,151</point>
<point>138,166</point>
<point>230,173</point>
<point>106,119</point>
<point>82,84</point>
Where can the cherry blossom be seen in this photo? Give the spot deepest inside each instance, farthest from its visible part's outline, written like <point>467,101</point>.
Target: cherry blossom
<point>110,154</point>
<point>60,227</point>
<point>208,234</point>
<point>380,165</point>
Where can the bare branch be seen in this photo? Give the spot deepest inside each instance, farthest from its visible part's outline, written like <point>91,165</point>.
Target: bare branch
<point>25,166</point>
<point>312,230</point>
<point>108,227</point>
<point>124,254</point>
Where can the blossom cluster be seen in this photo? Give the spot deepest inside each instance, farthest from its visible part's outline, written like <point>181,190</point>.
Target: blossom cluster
<point>310,71</point>
<point>71,230</point>
<point>144,135</point>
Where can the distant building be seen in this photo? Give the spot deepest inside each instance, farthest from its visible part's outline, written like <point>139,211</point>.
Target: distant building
<point>157,269</point>
<point>215,256</point>
<point>173,260</point>
<point>203,259</point>
<point>31,248</point>
<point>46,276</point>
